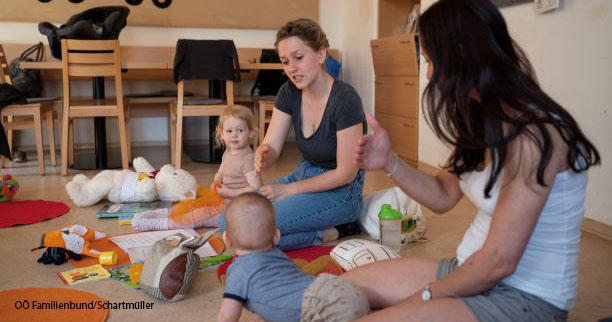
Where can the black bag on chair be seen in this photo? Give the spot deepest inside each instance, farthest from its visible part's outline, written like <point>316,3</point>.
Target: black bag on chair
<point>95,23</point>
<point>268,82</point>
<point>27,81</point>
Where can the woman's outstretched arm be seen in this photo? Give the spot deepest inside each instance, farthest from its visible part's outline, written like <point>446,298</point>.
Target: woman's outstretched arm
<point>373,152</point>
<point>270,149</point>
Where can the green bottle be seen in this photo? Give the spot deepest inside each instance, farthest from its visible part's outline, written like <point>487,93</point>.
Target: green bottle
<point>390,224</point>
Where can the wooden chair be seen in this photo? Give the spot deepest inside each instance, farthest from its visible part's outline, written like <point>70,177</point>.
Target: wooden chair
<point>264,107</point>
<point>92,58</point>
<point>193,107</point>
<point>27,116</point>
<point>212,60</point>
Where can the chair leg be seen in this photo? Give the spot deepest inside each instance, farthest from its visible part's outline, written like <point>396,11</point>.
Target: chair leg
<point>70,142</point>
<point>65,142</point>
<point>9,133</point>
<point>2,158</point>
<point>123,140</point>
<point>262,121</point>
<point>39,140</point>
<point>128,133</point>
<point>51,134</point>
<point>179,138</point>
<point>172,132</point>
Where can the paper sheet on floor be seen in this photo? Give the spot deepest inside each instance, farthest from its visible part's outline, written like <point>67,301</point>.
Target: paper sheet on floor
<point>137,245</point>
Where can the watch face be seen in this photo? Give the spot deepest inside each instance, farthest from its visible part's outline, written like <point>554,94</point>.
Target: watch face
<point>426,295</point>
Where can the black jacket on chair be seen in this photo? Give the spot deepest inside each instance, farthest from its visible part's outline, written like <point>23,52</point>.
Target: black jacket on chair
<point>95,23</point>
<point>206,59</point>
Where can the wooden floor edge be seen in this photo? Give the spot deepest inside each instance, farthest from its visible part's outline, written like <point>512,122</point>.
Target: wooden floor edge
<point>597,228</point>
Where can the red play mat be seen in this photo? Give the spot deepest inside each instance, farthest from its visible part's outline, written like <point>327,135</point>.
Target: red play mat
<point>25,212</point>
<point>47,304</point>
<point>312,260</point>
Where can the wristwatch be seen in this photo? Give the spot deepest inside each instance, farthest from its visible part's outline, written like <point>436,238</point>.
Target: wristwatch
<point>426,295</point>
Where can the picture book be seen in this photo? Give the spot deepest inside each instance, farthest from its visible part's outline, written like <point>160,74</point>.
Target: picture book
<point>112,210</point>
<point>122,274</point>
<point>84,274</point>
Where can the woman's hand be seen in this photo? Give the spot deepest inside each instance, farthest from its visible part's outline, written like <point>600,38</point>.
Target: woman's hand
<point>373,151</point>
<point>276,191</point>
<point>262,157</point>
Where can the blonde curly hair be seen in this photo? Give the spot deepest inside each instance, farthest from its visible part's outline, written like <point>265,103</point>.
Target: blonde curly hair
<point>240,112</point>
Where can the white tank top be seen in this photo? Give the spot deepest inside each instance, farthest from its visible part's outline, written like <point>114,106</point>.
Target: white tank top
<point>549,265</point>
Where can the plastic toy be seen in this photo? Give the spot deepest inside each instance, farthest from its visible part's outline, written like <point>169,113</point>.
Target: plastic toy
<point>8,187</point>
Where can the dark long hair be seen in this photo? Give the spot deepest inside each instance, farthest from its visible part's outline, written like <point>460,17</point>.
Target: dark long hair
<point>470,48</point>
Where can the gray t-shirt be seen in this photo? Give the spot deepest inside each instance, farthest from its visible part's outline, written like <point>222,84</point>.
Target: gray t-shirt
<point>343,110</point>
<point>269,284</point>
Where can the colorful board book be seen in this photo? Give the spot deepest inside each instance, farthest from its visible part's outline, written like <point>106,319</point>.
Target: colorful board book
<point>112,210</point>
<point>122,274</point>
<point>83,275</point>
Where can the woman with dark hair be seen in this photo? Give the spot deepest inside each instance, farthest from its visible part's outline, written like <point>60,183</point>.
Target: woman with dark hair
<point>516,154</point>
<point>319,201</point>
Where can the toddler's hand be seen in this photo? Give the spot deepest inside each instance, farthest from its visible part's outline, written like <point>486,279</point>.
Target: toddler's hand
<point>224,191</point>
<point>215,185</point>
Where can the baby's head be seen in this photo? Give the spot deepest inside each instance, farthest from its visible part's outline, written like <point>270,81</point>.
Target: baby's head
<point>250,223</point>
<point>236,128</point>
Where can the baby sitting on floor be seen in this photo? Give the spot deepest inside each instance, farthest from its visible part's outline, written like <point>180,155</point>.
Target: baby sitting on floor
<point>236,175</point>
<point>268,283</point>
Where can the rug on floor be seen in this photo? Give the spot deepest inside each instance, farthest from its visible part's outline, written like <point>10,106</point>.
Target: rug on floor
<point>51,305</point>
<point>25,212</point>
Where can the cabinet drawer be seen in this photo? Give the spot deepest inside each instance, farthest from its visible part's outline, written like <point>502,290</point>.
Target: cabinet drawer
<point>395,56</point>
<point>404,134</point>
<point>397,95</point>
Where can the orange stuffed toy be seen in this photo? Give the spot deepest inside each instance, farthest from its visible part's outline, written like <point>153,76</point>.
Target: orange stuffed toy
<point>75,239</point>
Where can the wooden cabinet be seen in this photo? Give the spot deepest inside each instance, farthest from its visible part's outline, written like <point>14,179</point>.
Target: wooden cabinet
<point>396,97</point>
<point>396,85</point>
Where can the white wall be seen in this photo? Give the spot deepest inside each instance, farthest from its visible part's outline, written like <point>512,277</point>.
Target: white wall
<point>571,50</point>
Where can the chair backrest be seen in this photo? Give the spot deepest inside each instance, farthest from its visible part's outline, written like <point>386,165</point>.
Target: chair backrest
<point>5,76</point>
<point>206,59</point>
<point>91,58</point>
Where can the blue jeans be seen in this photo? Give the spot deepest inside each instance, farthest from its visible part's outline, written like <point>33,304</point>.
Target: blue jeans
<point>303,218</point>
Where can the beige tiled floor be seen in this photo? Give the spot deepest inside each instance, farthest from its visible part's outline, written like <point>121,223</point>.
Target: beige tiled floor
<point>20,269</point>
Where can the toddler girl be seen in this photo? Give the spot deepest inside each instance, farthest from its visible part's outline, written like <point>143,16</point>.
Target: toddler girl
<point>236,131</point>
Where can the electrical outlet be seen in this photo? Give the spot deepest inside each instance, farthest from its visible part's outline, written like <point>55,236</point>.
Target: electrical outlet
<point>542,6</point>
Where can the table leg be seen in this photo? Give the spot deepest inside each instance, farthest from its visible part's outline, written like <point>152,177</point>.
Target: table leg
<point>99,126</point>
